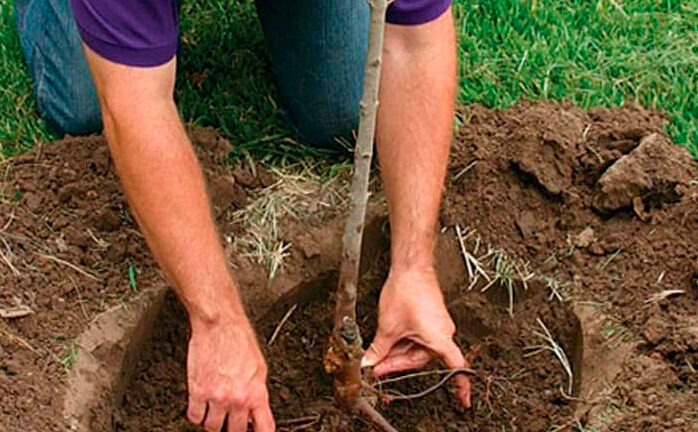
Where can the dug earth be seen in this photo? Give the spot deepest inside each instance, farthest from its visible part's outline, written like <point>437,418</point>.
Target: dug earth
<point>566,253</point>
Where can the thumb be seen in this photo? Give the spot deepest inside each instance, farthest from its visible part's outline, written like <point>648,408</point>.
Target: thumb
<point>453,358</point>
<point>378,350</point>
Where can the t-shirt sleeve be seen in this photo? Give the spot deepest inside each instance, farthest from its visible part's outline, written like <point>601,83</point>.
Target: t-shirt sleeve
<point>414,12</point>
<point>131,32</point>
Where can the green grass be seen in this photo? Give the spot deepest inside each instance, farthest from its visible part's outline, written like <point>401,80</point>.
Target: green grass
<point>20,126</point>
<point>594,53</point>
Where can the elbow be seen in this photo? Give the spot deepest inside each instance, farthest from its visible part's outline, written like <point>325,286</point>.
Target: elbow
<point>123,108</point>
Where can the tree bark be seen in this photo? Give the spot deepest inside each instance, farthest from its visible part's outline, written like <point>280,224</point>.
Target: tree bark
<point>344,355</point>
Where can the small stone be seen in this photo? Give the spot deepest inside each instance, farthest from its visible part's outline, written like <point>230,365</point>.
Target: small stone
<point>550,264</point>
<point>75,237</point>
<point>584,239</point>
<point>307,246</point>
<point>526,223</point>
<point>285,394</point>
<point>66,193</point>
<point>597,249</point>
<point>653,331</point>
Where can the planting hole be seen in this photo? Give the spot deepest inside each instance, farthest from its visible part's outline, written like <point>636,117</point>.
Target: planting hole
<point>530,390</point>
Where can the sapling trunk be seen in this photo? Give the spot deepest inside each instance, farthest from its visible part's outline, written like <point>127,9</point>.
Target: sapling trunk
<point>343,358</point>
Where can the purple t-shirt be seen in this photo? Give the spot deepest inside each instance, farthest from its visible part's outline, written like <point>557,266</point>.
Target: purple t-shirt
<point>145,32</point>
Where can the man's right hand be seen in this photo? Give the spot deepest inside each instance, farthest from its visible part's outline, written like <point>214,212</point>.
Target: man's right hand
<point>227,377</point>
<point>165,188</point>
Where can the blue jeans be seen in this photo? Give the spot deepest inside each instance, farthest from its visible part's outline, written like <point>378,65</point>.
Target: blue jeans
<point>319,78</point>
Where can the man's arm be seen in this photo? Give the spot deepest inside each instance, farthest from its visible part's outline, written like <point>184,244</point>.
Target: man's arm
<point>164,186</point>
<point>415,120</point>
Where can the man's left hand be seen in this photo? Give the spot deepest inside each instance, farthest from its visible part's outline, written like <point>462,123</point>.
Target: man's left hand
<point>414,327</point>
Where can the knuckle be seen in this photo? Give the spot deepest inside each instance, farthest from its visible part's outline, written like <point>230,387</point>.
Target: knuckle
<point>194,415</point>
<point>260,397</point>
<point>450,328</point>
<point>238,398</point>
<point>219,395</point>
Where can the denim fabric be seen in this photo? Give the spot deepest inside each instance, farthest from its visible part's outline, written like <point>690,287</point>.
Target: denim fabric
<point>317,49</point>
<point>52,48</point>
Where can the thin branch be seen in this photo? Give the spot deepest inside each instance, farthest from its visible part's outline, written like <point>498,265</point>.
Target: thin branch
<point>80,301</point>
<point>465,170</point>
<point>363,153</point>
<point>9,264</point>
<point>70,265</point>
<point>17,339</point>
<point>655,298</point>
<point>293,425</point>
<point>343,357</point>
<point>287,315</point>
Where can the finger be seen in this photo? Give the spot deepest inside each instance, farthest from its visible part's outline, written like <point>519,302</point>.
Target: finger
<point>402,347</point>
<point>214,418</point>
<point>237,420</point>
<point>416,358</point>
<point>378,350</point>
<point>196,412</point>
<point>453,359</point>
<point>263,419</point>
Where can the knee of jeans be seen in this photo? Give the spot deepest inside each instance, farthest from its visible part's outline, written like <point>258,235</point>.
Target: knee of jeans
<point>70,114</point>
<point>327,127</point>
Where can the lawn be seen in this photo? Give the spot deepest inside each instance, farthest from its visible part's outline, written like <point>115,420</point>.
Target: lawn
<point>594,53</point>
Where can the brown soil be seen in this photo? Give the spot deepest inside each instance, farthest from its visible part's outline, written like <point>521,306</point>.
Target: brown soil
<point>545,175</point>
<point>510,389</point>
<point>67,241</point>
<point>598,202</point>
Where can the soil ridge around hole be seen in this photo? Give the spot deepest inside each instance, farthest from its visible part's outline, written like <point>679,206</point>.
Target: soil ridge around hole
<point>620,262</point>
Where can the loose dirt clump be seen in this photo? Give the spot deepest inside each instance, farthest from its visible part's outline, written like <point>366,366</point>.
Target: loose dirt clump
<point>554,218</point>
<point>649,174</point>
<point>610,218</point>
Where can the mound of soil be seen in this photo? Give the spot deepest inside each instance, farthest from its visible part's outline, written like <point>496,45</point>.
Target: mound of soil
<point>69,250</point>
<point>602,203</point>
<point>599,204</point>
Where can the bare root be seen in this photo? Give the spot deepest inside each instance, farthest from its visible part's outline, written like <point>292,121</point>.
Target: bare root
<point>448,375</point>
<point>371,414</point>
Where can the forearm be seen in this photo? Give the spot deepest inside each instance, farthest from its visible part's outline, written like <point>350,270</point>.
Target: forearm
<point>165,189</point>
<point>164,186</point>
<point>415,120</point>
